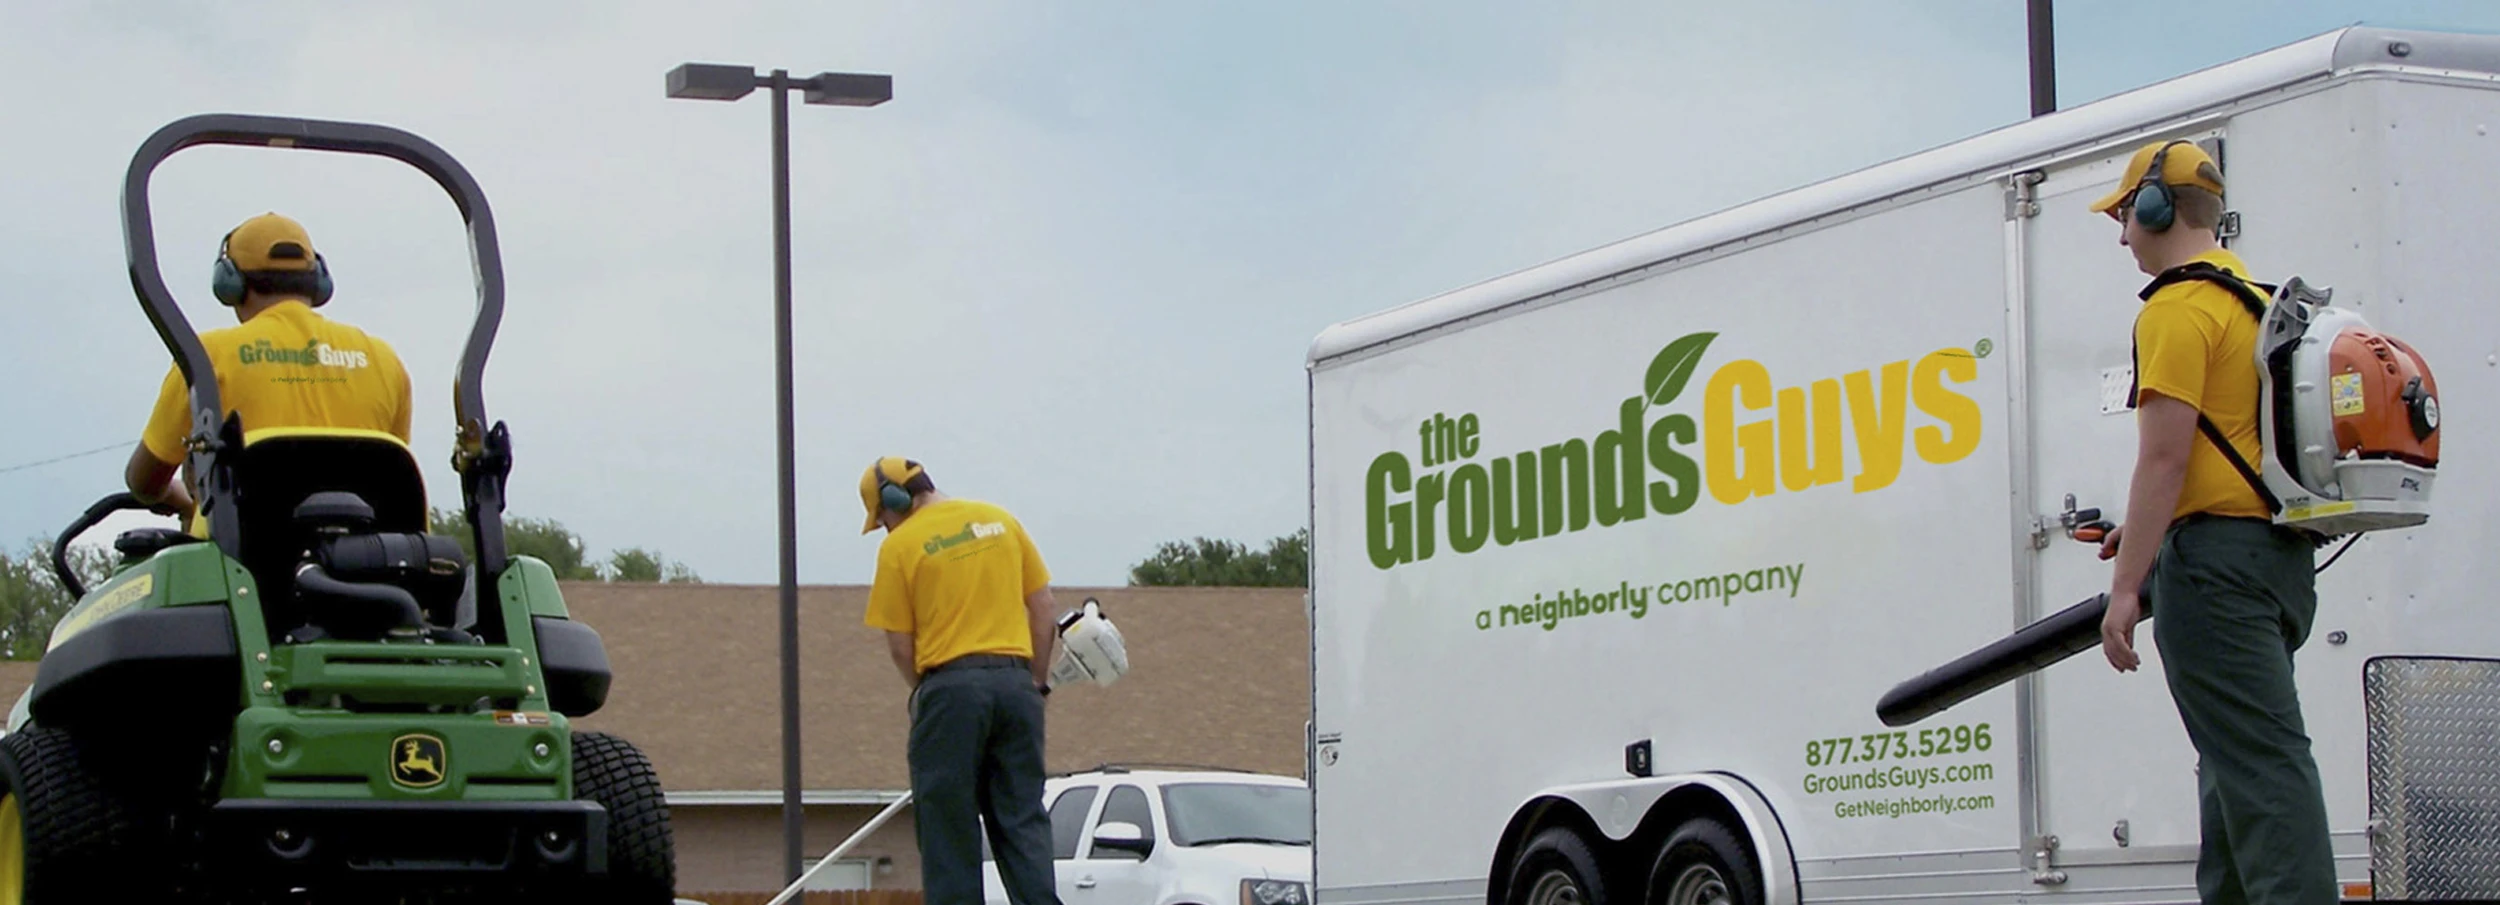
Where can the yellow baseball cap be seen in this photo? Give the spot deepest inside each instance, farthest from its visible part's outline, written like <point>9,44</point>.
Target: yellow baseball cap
<point>269,242</point>
<point>2186,164</point>
<point>894,470</point>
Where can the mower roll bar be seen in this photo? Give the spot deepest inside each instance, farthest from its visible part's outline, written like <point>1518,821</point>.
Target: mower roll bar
<point>482,454</point>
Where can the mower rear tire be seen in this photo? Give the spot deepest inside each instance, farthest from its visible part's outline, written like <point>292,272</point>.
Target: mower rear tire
<point>66,834</point>
<point>642,857</point>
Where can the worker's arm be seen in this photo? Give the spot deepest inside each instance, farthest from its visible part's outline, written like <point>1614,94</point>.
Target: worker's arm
<point>2165,432</point>
<point>899,646</point>
<point>152,480</point>
<point>155,463</point>
<point>889,609</point>
<point>1040,614</point>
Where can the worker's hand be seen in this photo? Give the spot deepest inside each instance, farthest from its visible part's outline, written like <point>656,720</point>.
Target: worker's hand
<point>2118,631</point>
<point>2109,543</point>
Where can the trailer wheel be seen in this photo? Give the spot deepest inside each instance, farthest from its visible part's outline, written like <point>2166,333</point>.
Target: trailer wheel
<point>1556,868</point>
<point>1704,864</point>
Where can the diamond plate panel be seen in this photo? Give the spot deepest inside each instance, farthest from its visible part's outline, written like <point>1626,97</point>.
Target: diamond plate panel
<point>2434,777</point>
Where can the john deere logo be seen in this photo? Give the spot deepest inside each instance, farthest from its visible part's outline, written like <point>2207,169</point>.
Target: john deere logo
<point>418,761</point>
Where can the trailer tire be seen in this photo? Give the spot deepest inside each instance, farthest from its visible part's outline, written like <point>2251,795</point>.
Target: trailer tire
<point>1556,868</point>
<point>1703,863</point>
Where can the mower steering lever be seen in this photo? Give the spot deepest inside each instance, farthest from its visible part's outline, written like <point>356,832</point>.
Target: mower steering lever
<point>112,503</point>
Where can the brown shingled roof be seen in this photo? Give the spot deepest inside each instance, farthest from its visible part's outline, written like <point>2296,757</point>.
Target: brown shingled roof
<point>1219,676</point>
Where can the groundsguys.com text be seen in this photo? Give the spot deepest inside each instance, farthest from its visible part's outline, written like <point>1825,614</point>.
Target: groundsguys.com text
<point>1547,610</point>
<point>1899,778</point>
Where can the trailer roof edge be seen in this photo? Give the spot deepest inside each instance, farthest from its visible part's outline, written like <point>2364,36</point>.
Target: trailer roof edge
<point>2037,138</point>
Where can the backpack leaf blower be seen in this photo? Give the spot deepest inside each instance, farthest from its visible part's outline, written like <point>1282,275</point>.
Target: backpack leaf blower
<point>2348,424</point>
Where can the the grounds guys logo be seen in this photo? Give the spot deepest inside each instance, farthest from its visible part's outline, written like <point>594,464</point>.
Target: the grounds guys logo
<point>972,531</point>
<point>313,353</point>
<point>1755,439</point>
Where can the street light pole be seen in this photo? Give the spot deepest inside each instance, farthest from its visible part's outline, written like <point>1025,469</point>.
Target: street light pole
<point>2043,57</point>
<point>702,81</point>
<point>793,822</point>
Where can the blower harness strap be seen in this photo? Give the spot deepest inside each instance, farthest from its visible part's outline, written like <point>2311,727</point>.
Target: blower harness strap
<point>2248,293</point>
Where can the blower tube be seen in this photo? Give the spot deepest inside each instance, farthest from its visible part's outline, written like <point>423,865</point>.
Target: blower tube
<point>2032,648</point>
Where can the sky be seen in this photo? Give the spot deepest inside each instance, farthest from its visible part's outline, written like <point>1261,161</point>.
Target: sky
<point>1074,266</point>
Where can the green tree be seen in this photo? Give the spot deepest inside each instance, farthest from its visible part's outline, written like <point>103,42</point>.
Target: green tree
<point>546,539</point>
<point>564,552</point>
<point>1289,560</point>
<point>638,564</point>
<point>1210,562</point>
<point>632,564</point>
<point>32,599</point>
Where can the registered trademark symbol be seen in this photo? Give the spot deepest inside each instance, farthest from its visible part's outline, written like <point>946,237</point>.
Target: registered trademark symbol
<point>1983,348</point>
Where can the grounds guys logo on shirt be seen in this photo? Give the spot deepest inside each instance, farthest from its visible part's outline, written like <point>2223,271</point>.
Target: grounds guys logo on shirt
<point>972,531</point>
<point>313,353</point>
<point>1755,439</point>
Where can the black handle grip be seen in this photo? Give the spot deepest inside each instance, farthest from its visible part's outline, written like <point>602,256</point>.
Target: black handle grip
<point>2032,648</point>
<point>60,545</point>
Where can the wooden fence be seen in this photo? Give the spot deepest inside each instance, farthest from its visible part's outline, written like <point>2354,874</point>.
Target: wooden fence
<point>846,897</point>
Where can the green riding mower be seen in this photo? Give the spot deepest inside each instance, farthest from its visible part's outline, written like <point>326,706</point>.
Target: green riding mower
<point>309,697</point>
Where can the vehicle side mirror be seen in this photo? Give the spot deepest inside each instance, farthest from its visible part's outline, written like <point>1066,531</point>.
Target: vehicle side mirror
<point>1122,836</point>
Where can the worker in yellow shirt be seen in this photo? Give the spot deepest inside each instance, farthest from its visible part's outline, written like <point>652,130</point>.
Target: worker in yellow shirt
<point>966,606</point>
<point>2233,595</point>
<point>283,365</point>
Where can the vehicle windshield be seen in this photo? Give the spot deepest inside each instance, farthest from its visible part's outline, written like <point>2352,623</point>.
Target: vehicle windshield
<point>1218,812</point>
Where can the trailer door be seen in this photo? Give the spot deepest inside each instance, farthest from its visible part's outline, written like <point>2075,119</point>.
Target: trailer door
<point>2113,773</point>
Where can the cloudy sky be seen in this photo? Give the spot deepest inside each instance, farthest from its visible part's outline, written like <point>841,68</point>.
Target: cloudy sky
<point>1074,265</point>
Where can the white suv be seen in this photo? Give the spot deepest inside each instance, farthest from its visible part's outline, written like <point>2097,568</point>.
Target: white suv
<point>1174,837</point>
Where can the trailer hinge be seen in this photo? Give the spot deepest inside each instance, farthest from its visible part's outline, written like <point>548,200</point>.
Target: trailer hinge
<point>2022,199</point>
<point>2042,873</point>
<point>2229,228</point>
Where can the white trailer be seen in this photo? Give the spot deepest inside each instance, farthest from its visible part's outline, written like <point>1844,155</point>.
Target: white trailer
<point>1638,537</point>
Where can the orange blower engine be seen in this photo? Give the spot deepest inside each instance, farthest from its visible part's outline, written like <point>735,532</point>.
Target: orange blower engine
<point>2351,420</point>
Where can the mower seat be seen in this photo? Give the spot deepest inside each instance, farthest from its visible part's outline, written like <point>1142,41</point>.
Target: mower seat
<point>280,468</point>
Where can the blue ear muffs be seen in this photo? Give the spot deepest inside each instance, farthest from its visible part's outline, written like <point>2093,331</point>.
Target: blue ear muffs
<point>321,281</point>
<point>226,282</point>
<point>892,496</point>
<point>2155,206</point>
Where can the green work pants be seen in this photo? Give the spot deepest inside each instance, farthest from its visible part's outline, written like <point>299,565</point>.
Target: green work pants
<point>2232,600</point>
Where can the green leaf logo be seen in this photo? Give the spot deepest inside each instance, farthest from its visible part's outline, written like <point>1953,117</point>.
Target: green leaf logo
<point>1673,367</point>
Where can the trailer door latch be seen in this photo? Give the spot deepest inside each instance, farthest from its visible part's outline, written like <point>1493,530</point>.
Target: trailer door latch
<point>2042,874</point>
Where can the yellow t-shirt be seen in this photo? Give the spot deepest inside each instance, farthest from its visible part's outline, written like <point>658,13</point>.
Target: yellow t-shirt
<point>289,367</point>
<point>955,575</point>
<point>2196,342</point>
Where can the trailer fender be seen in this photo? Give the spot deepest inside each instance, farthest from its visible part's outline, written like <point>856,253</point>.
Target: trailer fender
<point>1618,808</point>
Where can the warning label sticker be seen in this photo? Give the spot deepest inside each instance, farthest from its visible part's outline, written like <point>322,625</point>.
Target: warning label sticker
<point>2345,389</point>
